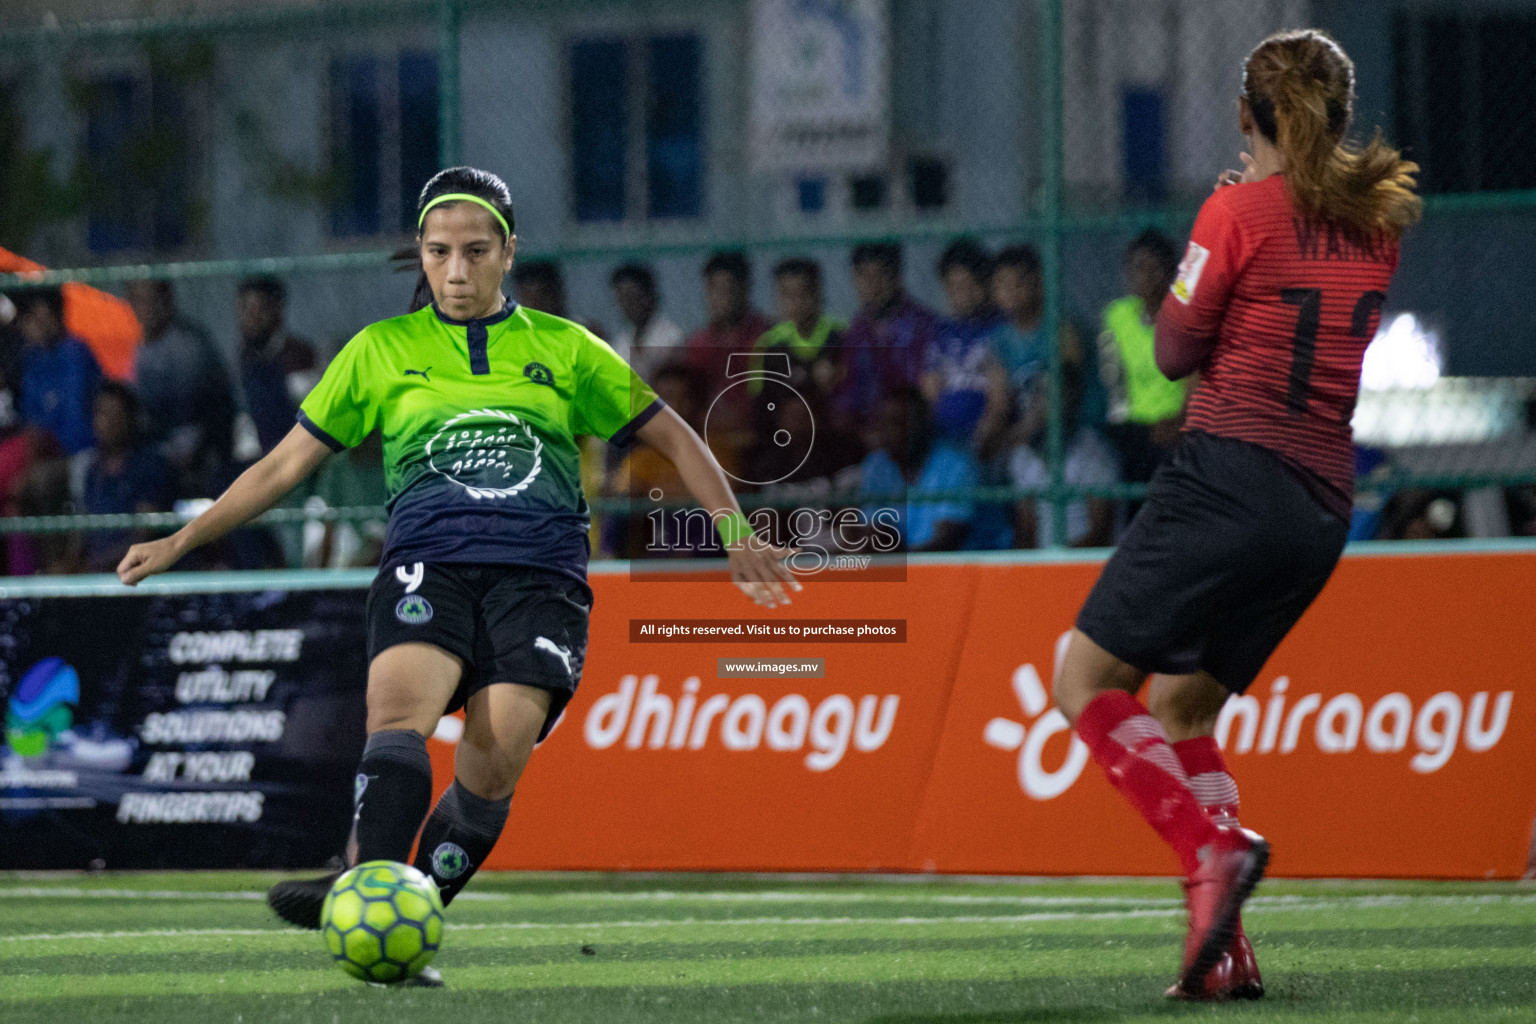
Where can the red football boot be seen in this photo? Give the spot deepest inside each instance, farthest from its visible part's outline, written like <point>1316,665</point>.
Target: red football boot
<point>1216,988</point>
<point>1230,866</point>
<point>1245,982</point>
<point>1235,976</point>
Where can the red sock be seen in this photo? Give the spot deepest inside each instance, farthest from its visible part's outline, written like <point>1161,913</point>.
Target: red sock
<point>1209,779</point>
<point>1133,750</point>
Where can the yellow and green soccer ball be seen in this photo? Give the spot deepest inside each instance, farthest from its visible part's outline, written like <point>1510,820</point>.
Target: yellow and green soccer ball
<point>383,921</point>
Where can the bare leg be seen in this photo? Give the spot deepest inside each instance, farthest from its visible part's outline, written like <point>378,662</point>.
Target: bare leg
<point>1089,670</point>
<point>501,724</point>
<point>1188,706</point>
<point>409,685</point>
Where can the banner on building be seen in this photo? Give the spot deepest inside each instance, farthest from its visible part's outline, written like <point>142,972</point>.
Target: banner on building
<point>188,731</point>
<point>820,85</point>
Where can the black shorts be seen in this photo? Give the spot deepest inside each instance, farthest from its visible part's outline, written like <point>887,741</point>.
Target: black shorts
<point>1225,555</point>
<point>509,624</point>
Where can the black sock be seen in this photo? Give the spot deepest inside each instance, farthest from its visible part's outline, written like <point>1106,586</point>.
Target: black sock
<point>458,837</point>
<point>394,789</point>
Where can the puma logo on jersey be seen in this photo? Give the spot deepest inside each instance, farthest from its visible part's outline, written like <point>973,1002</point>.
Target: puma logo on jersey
<point>544,643</point>
<point>421,373</point>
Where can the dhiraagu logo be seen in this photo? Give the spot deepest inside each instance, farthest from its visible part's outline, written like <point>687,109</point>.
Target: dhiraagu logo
<point>41,707</point>
<point>490,453</point>
<point>1029,738</point>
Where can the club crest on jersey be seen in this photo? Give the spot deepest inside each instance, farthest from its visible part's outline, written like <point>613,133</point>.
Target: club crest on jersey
<point>490,453</point>
<point>1190,269</point>
<point>414,610</point>
<point>539,374</point>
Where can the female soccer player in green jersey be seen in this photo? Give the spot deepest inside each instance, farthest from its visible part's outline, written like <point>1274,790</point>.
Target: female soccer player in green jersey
<point>481,600</point>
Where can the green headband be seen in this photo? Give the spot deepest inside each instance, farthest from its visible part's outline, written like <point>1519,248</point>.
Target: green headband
<point>454,197</point>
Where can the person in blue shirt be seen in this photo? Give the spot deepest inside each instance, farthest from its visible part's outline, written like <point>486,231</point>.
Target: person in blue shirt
<point>58,373</point>
<point>1019,344</point>
<point>968,390</point>
<point>119,475</point>
<point>906,468</point>
<point>964,384</point>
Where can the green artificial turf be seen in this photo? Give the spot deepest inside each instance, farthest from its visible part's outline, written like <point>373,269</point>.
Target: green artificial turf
<point>203,948</point>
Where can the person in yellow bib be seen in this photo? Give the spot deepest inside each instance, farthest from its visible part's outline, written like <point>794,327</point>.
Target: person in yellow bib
<point>812,339</point>
<point>1146,409</point>
<point>481,600</point>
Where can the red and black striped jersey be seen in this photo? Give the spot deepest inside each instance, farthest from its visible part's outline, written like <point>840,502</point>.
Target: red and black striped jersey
<point>1276,310</point>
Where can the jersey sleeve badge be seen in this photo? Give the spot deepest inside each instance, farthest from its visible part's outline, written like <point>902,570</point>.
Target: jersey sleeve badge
<point>1190,269</point>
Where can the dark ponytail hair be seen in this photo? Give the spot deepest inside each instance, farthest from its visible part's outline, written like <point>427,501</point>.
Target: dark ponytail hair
<point>1300,87</point>
<point>470,181</point>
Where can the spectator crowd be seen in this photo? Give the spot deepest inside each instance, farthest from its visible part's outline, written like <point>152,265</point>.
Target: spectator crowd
<point>99,419</point>
<point>903,407</point>
<point>121,406</point>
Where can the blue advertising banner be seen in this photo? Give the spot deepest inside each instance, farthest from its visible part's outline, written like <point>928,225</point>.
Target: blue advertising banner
<point>197,730</point>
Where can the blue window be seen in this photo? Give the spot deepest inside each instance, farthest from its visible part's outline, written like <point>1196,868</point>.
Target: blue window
<point>356,120</point>
<point>812,194</point>
<point>599,127</point>
<point>384,139</point>
<point>137,145</point>
<point>418,129</point>
<point>1143,109</point>
<point>109,124</point>
<point>673,127</point>
<point>637,137</point>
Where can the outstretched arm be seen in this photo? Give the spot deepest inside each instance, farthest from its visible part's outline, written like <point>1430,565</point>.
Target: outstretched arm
<point>757,567</point>
<point>252,493</point>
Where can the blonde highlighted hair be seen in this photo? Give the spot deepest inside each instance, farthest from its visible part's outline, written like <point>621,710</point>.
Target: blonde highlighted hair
<point>1300,88</point>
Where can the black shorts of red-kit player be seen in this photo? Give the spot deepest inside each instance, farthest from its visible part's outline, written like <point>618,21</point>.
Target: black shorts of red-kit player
<point>507,623</point>
<point>1227,552</point>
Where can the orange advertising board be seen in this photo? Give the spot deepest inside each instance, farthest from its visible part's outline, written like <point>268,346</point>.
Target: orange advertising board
<point>659,764</point>
<point>1388,736</point>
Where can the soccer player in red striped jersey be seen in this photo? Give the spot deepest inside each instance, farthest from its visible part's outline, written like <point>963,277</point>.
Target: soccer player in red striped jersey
<point>1278,295</point>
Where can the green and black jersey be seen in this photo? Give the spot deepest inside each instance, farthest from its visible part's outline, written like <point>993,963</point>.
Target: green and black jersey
<point>479,420</point>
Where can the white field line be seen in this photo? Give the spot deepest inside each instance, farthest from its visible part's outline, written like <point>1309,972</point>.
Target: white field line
<point>63,892</point>
<point>60,892</point>
<point>1279,903</point>
<point>936,899</point>
<point>690,922</point>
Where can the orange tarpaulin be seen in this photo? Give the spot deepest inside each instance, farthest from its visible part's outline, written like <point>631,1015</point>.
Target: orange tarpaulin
<point>104,322</point>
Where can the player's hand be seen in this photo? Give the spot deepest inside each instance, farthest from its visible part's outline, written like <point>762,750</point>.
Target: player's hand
<point>144,560</point>
<point>1242,177</point>
<point>759,571</point>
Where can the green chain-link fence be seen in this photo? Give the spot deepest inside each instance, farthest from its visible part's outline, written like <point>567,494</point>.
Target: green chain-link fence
<point>290,141</point>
